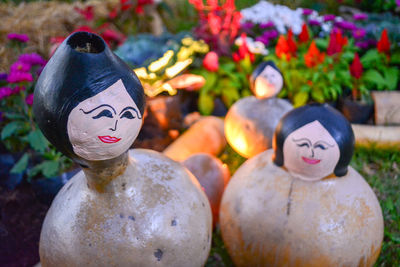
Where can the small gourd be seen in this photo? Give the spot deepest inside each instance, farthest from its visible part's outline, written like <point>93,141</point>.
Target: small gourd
<point>300,204</point>
<point>126,208</point>
<point>250,122</point>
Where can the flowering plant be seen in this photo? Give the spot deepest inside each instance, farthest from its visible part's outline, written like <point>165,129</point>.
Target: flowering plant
<point>19,132</point>
<point>218,25</point>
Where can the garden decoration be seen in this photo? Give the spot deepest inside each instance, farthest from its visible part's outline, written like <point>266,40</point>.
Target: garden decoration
<point>300,204</point>
<point>126,208</point>
<point>204,136</point>
<point>250,122</point>
<point>213,176</point>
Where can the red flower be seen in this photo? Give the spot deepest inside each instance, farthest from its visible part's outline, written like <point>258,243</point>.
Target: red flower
<point>243,51</point>
<point>384,43</point>
<point>291,43</point>
<point>214,22</point>
<point>198,4</point>
<point>113,13</point>
<point>356,68</point>
<point>336,42</point>
<point>111,36</point>
<point>304,36</point>
<point>313,56</point>
<point>87,12</point>
<point>282,48</point>
<point>210,61</point>
<point>125,4</point>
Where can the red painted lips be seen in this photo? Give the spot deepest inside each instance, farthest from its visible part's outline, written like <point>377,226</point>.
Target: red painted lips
<point>310,161</point>
<point>108,139</point>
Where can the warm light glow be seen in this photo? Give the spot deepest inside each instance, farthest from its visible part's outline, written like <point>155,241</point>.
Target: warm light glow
<point>236,139</point>
<point>141,72</point>
<point>263,90</point>
<point>161,62</point>
<point>184,53</point>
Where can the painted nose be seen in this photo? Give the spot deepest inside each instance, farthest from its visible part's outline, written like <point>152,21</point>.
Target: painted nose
<point>312,152</point>
<point>115,126</point>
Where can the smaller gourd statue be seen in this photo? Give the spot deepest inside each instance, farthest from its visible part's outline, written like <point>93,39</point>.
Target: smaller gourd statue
<point>250,122</point>
<point>300,204</point>
<point>126,208</point>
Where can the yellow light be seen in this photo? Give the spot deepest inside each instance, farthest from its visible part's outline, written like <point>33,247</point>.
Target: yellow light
<point>161,62</point>
<point>184,53</point>
<point>141,73</point>
<point>187,41</point>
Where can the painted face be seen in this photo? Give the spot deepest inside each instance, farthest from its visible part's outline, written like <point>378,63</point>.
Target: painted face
<point>105,125</point>
<point>268,83</point>
<point>310,153</point>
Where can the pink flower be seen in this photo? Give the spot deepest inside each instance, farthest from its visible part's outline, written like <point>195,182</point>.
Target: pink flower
<point>20,66</point>
<point>5,92</point>
<point>87,12</point>
<point>360,16</point>
<point>23,38</point>
<point>359,33</point>
<point>329,17</point>
<point>29,99</point>
<point>3,76</point>
<point>269,24</point>
<point>307,11</point>
<point>17,76</point>
<point>398,2</point>
<point>210,61</point>
<point>314,22</point>
<point>32,59</point>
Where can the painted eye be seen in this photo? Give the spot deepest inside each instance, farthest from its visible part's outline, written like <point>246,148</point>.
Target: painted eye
<point>320,146</point>
<point>128,115</point>
<point>103,113</point>
<point>303,144</point>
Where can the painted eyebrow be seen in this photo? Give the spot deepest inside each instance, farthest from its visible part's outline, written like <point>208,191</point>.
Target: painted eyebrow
<point>137,113</point>
<point>302,139</point>
<point>102,105</point>
<point>323,142</point>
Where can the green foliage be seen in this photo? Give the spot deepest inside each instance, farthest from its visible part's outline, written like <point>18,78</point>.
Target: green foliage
<point>229,83</point>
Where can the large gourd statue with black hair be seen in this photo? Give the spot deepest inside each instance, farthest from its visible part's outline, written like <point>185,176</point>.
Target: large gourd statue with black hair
<point>250,122</point>
<point>126,208</point>
<point>300,204</point>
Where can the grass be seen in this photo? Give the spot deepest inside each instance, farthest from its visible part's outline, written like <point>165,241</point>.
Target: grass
<point>380,168</point>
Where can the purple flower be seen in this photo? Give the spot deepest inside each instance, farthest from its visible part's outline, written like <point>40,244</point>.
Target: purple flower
<point>307,11</point>
<point>20,66</point>
<point>360,16</point>
<point>314,22</point>
<point>17,76</point>
<point>29,99</point>
<point>346,25</point>
<point>247,25</point>
<point>3,76</point>
<point>362,45</point>
<point>23,38</point>
<point>398,2</point>
<point>5,92</point>
<point>263,40</point>
<point>32,59</point>
<point>272,34</point>
<point>359,33</point>
<point>269,24</point>
<point>329,17</point>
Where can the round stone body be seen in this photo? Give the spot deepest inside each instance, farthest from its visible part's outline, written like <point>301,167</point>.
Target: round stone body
<point>269,218</point>
<point>154,214</point>
<point>250,124</point>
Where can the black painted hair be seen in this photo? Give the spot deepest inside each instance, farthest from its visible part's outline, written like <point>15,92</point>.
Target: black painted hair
<point>260,69</point>
<point>82,66</point>
<point>334,122</point>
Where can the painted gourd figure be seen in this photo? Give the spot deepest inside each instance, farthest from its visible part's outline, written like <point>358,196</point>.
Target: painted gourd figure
<point>251,121</point>
<point>126,208</point>
<point>300,204</point>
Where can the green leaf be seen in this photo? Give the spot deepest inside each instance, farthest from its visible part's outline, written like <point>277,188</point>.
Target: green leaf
<point>391,77</point>
<point>375,78</point>
<point>206,104</point>
<point>21,165</point>
<point>211,80</point>
<point>368,58</point>
<point>10,129</point>
<point>322,44</point>
<point>230,95</point>
<point>395,58</point>
<point>300,99</point>
<point>228,67</point>
<point>348,56</point>
<point>37,141</point>
<point>13,116</point>
<point>50,168</point>
<point>317,95</point>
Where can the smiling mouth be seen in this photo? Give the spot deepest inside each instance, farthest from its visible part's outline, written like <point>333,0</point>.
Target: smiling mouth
<point>108,139</point>
<point>310,161</point>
